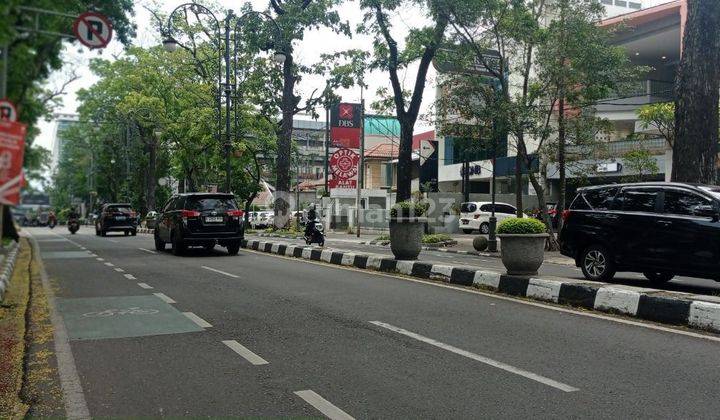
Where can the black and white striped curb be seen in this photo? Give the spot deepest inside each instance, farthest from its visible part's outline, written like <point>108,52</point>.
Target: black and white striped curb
<point>8,265</point>
<point>145,231</point>
<point>649,304</point>
<point>439,248</point>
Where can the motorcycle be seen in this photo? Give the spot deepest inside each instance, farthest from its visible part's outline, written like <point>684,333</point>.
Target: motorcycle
<point>314,234</point>
<point>51,224</point>
<point>73,226</point>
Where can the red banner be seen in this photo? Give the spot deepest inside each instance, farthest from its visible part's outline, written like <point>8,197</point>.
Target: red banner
<point>344,168</point>
<point>349,184</point>
<point>12,149</point>
<point>346,125</point>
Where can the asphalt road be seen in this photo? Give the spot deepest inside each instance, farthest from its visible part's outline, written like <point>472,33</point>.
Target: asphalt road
<point>271,336</point>
<point>678,284</point>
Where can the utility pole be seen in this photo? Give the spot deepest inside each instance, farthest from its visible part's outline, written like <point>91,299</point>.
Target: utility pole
<point>361,162</point>
<point>327,147</point>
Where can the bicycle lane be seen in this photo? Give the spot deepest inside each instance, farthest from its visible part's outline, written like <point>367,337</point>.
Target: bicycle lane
<point>137,351</point>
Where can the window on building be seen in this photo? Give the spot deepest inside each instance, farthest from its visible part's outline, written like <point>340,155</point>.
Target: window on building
<point>608,2</point>
<point>633,5</point>
<point>621,3</point>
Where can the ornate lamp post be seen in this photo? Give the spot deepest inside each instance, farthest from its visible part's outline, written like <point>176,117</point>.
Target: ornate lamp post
<point>221,31</point>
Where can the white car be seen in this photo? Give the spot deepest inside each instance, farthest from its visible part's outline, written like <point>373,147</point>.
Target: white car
<point>476,215</point>
<point>262,219</point>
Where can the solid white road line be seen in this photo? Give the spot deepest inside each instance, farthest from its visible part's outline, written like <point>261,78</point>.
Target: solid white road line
<point>109,264</point>
<point>165,298</point>
<point>145,285</point>
<point>535,377</point>
<point>196,319</point>
<point>245,352</point>
<point>220,272</point>
<point>100,259</point>
<point>130,277</point>
<point>147,250</point>
<point>113,241</point>
<point>322,405</point>
<point>119,270</point>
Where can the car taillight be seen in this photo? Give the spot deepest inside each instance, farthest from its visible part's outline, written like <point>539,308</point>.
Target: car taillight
<point>565,215</point>
<point>189,214</point>
<point>235,213</point>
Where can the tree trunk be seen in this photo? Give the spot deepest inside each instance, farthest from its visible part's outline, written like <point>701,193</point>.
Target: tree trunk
<point>248,204</point>
<point>518,182</point>
<point>561,160</point>
<point>282,181</point>
<point>552,244</point>
<point>696,90</point>
<point>150,179</point>
<point>405,163</point>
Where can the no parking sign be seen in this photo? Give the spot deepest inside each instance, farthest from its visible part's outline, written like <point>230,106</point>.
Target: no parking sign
<point>7,110</point>
<point>93,29</point>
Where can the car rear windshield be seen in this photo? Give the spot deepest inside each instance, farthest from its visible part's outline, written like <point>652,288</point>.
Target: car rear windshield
<point>119,209</point>
<point>468,207</point>
<point>211,203</point>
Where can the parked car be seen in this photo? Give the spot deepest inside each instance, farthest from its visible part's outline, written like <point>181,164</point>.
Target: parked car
<point>658,229</point>
<point>262,220</point>
<point>200,219</point>
<point>150,219</point>
<point>476,215</point>
<point>116,217</point>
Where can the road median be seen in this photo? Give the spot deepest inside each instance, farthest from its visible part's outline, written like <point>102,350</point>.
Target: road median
<point>674,308</point>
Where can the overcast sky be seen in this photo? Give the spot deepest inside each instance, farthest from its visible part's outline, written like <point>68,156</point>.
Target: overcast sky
<point>308,51</point>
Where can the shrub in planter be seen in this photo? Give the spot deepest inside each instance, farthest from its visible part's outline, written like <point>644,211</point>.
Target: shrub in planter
<point>407,226</point>
<point>522,245</point>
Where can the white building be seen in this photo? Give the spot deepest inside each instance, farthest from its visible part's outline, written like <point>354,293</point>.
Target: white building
<point>61,123</point>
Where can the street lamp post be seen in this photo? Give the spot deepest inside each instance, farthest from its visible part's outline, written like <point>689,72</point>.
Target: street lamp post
<point>224,87</point>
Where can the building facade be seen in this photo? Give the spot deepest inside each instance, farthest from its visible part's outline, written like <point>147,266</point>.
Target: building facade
<point>62,123</point>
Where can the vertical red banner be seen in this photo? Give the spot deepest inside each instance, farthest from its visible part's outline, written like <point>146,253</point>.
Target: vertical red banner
<point>346,125</point>
<point>12,149</point>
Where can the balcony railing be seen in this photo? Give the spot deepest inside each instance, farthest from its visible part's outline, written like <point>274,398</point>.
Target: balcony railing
<point>619,148</point>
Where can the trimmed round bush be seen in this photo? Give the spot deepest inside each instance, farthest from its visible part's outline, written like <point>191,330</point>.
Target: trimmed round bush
<point>480,243</point>
<point>524,226</point>
<point>409,209</point>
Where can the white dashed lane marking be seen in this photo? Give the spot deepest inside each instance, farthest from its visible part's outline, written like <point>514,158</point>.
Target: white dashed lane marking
<point>147,250</point>
<point>196,319</point>
<point>109,264</point>
<point>130,277</point>
<point>221,272</point>
<point>100,259</point>
<point>490,362</point>
<point>145,285</point>
<point>245,352</point>
<point>322,405</point>
<point>119,270</point>
<point>165,298</point>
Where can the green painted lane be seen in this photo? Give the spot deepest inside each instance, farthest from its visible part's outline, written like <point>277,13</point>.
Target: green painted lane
<point>122,317</point>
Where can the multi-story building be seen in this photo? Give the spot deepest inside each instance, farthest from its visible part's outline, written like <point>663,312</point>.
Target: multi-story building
<point>652,37</point>
<point>62,123</point>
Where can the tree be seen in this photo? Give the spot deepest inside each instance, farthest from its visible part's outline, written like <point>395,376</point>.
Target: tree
<point>660,116</point>
<point>421,45</point>
<point>32,58</point>
<point>696,91</point>
<point>294,18</point>
<point>642,163</point>
<point>560,62</point>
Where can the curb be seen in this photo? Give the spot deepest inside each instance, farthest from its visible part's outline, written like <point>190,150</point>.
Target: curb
<point>8,265</point>
<point>647,304</point>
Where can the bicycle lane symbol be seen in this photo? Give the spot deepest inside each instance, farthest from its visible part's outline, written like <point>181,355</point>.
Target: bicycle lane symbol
<point>128,311</point>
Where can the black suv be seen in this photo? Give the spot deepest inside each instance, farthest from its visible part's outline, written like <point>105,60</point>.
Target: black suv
<point>117,217</point>
<point>659,229</point>
<point>200,219</point>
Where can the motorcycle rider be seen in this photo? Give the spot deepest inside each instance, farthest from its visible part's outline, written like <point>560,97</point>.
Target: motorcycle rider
<point>311,216</point>
<point>73,215</point>
<point>52,219</point>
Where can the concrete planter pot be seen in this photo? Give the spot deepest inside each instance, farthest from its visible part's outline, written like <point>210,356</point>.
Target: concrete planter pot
<point>522,254</point>
<point>406,235</point>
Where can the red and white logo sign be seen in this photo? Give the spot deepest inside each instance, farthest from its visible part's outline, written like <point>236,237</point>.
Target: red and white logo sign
<point>8,112</point>
<point>346,111</point>
<point>93,30</point>
<point>344,164</point>
<point>12,149</point>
